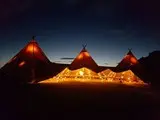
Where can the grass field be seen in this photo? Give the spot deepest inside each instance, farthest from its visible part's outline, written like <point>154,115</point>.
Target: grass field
<point>82,101</point>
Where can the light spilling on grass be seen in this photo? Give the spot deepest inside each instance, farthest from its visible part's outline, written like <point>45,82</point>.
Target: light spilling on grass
<point>89,76</point>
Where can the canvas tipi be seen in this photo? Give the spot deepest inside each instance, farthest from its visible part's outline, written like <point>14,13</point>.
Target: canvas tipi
<point>128,60</point>
<point>30,53</point>
<point>83,59</point>
<point>29,64</point>
<point>82,69</point>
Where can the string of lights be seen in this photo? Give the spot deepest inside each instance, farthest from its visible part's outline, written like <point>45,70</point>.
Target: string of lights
<point>86,75</point>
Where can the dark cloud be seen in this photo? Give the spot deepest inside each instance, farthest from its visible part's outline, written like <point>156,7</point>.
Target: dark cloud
<point>66,58</point>
<point>59,61</point>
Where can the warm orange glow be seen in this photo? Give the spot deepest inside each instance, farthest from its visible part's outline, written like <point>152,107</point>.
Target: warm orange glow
<point>31,48</point>
<point>80,56</point>
<point>22,63</point>
<point>133,60</point>
<point>81,73</point>
<point>87,75</point>
<point>86,54</point>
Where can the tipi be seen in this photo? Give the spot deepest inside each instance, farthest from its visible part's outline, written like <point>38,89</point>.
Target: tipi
<point>29,64</point>
<point>30,53</point>
<point>83,59</point>
<point>82,69</point>
<point>128,60</point>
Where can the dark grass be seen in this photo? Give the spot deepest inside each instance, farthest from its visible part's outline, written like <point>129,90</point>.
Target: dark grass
<point>80,101</point>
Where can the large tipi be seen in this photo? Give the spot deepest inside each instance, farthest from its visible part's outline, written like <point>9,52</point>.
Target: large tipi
<point>127,62</point>
<point>28,64</point>
<point>82,69</point>
<point>83,59</point>
<point>30,53</point>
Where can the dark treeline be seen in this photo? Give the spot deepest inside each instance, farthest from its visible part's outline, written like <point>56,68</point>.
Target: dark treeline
<point>151,66</point>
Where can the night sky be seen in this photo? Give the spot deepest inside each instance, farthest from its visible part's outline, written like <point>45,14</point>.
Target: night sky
<point>108,28</point>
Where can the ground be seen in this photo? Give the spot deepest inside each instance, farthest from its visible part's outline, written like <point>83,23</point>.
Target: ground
<point>81,101</point>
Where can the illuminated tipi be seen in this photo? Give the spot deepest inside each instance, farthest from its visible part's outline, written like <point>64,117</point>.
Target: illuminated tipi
<point>122,73</point>
<point>82,69</point>
<point>31,52</point>
<point>128,61</point>
<point>83,59</point>
<point>30,63</point>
